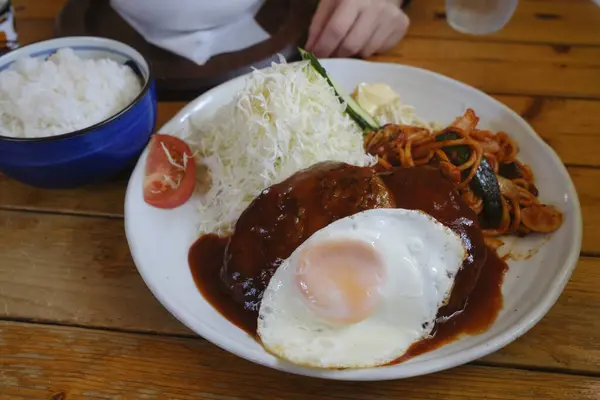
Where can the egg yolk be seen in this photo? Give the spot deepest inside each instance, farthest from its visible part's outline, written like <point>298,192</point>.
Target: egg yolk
<point>340,279</point>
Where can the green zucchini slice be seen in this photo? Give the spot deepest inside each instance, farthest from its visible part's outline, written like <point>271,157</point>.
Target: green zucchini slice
<point>484,183</point>
<point>366,122</point>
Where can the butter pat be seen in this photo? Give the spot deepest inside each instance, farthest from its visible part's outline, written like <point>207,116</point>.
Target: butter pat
<point>371,97</point>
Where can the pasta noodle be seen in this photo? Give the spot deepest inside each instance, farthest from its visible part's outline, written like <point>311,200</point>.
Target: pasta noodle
<point>458,151</point>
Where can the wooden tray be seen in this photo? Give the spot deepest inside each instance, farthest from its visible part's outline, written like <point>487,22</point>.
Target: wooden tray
<point>178,78</point>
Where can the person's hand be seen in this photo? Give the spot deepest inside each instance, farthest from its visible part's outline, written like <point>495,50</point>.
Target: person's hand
<point>343,28</point>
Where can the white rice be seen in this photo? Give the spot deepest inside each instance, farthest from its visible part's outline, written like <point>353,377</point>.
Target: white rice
<point>41,98</point>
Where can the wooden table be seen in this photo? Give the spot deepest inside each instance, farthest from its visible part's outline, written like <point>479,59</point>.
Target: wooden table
<point>77,322</point>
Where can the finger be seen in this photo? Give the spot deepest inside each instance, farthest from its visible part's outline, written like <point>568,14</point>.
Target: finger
<point>322,15</point>
<point>360,34</point>
<point>336,29</point>
<point>397,35</point>
<point>392,40</point>
<point>390,30</point>
<point>377,40</point>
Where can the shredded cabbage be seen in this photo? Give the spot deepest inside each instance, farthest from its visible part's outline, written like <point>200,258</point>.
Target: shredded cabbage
<point>286,118</point>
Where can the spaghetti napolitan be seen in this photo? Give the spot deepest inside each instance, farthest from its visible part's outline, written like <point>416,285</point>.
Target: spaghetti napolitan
<point>464,154</point>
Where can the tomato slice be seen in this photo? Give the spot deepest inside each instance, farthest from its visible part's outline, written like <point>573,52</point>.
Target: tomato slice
<point>170,175</point>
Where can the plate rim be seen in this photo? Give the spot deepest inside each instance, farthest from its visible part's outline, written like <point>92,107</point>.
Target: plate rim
<point>500,340</point>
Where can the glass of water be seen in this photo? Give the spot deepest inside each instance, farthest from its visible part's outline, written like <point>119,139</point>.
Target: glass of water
<point>479,17</point>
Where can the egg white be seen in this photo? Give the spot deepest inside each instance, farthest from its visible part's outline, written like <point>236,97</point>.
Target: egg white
<point>421,258</point>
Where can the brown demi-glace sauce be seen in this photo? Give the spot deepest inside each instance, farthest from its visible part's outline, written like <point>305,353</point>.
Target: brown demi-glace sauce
<point>476,298</point>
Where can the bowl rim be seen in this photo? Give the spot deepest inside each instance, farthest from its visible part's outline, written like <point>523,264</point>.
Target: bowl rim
<point>79,41</point>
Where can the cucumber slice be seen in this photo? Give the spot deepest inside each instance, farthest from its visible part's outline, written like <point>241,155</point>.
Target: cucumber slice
<point>356,112</point>
<point>484,183</point>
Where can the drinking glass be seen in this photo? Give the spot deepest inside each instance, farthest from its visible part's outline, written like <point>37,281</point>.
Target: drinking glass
<point>479,17</point>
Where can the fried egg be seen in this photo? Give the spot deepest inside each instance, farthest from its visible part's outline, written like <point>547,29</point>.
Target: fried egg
<point>360,291</point>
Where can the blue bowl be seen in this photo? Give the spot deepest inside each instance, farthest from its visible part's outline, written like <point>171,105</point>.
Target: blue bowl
<point>91,154</point>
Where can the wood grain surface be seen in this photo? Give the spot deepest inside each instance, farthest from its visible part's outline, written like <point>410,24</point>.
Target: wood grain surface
<point>81,273</point>
<point>42,361</point>
<point>572,22</point>
<point>107,199</point>
<point>77,321</point>
<point>538,69</point>
<point>505,67</point>
<point>576,139</point>
<point>534,21</point>
<point>78,271</point>
<point>542,67</point>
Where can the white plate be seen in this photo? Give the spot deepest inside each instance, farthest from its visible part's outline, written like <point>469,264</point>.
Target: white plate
<point>160,239</point>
